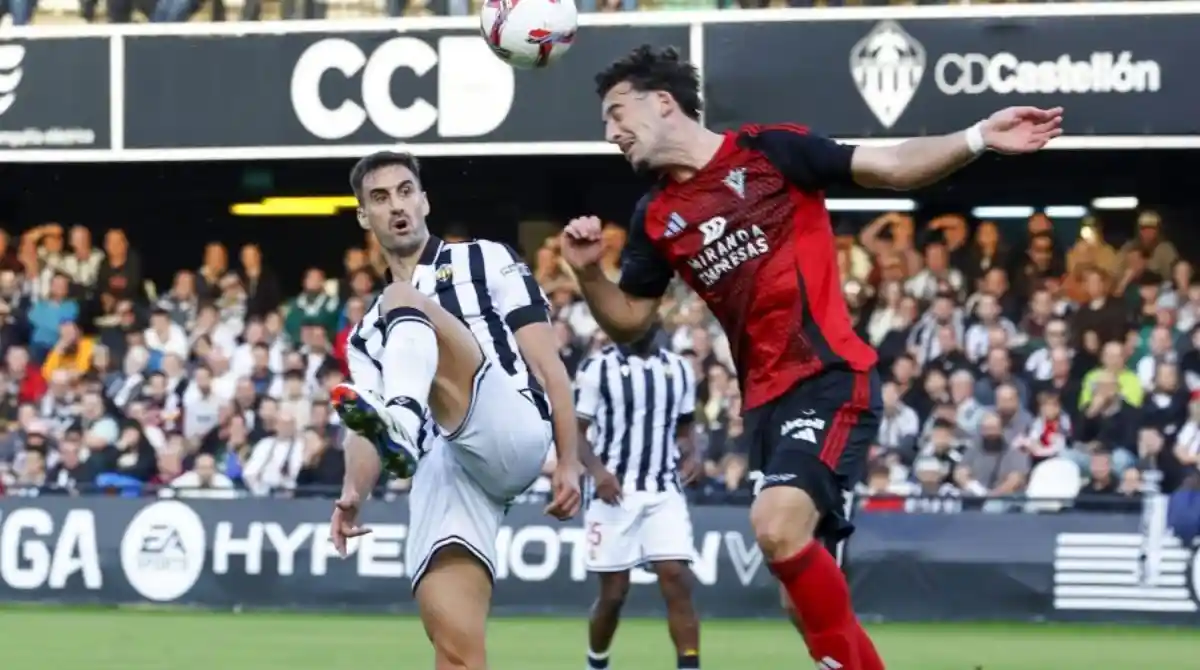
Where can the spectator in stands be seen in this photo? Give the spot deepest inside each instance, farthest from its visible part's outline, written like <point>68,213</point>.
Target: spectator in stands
<point>278,457</point>
<point>72,351</point>
<point>82,265</point>
<point>49,313</point>
<point>1112,365</point>
<point>202,481</point>
<point>262,286</point>
<point>1000,468</point>
<point>900,426</point>
<point>165,336</point>
<point>120,274</point>
<point>313,306</point>
<point>1100,315</point>
<point>1159,254</point>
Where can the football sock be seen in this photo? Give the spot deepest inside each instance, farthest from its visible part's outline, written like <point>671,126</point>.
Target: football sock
<point>821,598</point>
<point>597,660</point>
<point>688,661</point>
<point>410,359</point>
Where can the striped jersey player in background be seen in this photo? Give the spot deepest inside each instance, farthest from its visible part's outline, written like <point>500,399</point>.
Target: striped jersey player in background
<point>635,404</point>
<point>448,368</point>
<point>741,217</point>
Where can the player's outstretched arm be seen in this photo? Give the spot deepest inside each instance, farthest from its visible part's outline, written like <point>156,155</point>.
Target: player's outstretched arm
<point>924,160</point>
<point>626,310</point>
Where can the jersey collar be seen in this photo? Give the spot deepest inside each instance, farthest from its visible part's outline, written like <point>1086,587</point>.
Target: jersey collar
<point>433,247</point>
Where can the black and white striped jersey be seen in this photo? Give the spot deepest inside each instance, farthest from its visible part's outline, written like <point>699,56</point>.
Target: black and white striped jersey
<point>635,405</point>
<point>485,284</point>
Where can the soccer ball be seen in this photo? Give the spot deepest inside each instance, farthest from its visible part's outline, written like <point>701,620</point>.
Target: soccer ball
<point>529,33</point>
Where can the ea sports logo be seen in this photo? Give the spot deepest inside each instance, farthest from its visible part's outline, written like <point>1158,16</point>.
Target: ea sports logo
<point>11,56</point>
<point>163,551</point>
<point>887,66</point>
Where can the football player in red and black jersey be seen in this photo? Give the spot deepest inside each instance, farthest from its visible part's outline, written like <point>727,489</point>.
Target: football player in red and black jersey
<point>740,216</point>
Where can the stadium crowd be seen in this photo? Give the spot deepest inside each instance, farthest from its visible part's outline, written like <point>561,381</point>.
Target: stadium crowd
<point>1006,364</point>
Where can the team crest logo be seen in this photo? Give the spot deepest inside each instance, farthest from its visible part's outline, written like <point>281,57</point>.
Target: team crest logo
<point>887,66</point>
<point>736,181</point>
<point>444,273</point>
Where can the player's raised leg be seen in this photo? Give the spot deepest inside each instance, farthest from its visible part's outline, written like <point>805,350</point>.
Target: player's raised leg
<point>454,597</point>
<point>434,359</point>
<point>820,433</point>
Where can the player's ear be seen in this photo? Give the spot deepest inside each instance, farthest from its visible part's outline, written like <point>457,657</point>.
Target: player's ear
<point>424,204</point>
<point>361,215</point>
<point>665,102</point>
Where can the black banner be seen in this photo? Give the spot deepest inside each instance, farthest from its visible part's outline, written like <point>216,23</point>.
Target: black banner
<point>54,94</point>
<point>269,553</point>
<point>1115,75</point>
<point>363,88</point>
<point>274,553</point>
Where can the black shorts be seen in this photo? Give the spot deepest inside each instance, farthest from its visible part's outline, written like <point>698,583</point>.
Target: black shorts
<point>816,437</point>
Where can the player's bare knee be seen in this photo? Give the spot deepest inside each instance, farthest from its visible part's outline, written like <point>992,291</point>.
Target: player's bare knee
<point>673,580</point>
<point>400,294</point>
<point>614,588</point>
<point>784,520</point>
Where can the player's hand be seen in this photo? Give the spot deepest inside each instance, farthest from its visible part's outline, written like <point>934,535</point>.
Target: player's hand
<point>608,487</point>
<point>580,242</point>
<point>344,523</point>
<point>1021,130</point>
<point>690,469</point>
<point>565,498</point>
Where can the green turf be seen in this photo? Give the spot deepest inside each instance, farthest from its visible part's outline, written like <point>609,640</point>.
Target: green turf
<point>48,639</point>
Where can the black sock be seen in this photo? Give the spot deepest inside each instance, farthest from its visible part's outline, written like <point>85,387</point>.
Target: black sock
<point>688,662</point>
<point>597,661</point>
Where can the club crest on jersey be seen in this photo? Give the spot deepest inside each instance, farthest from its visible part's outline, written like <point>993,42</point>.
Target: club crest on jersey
<point>736,181</point>
<point>675,225</point>
<point>444,273</point>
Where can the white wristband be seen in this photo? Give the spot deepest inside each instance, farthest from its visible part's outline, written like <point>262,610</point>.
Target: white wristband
<point>975,139</point>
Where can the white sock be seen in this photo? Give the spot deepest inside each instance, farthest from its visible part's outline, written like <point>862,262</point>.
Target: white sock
<point>597,660</point>
<point>410,360</point>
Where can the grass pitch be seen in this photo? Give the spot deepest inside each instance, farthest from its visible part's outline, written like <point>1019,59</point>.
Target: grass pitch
<point>69,639</point>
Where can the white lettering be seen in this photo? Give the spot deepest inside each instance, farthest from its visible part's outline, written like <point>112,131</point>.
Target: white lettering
<point>225,545</point>
<point>286,545</point>
<point>25,563</point>
<point>1005,74</point>
<point>475,90</point>
<point>76,551</point>
<point>381,554</point>
<point>322,549</point>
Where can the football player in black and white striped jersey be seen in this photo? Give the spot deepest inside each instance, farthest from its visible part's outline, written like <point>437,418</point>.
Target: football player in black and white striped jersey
<point>456,382</point>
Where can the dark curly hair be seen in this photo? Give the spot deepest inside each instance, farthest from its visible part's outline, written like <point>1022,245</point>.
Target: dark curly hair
<point>649,69</point>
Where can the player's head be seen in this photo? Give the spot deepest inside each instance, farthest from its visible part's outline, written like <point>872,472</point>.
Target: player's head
<point>391,202</point>
<point>645,98</point>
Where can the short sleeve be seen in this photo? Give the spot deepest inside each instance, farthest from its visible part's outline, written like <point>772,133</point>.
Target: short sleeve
<point>644,272</point>
<point>517,295</point>
<point>587,388</point>
<point>810,162</point>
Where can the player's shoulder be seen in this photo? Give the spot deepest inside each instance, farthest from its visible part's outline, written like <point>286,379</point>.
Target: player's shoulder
<point>606,353</point>
<point>773,135</point>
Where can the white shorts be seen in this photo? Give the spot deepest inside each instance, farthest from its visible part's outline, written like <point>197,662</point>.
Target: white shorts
<point>464,483</point>
<point>644,528</point>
